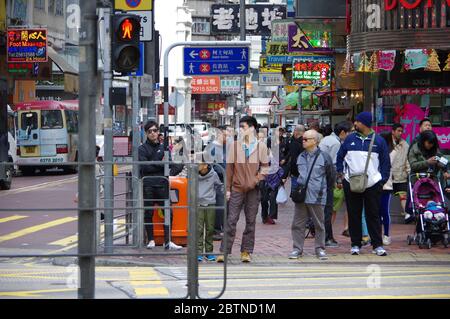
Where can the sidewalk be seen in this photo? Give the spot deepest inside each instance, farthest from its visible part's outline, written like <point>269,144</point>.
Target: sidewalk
<point>274,242</point>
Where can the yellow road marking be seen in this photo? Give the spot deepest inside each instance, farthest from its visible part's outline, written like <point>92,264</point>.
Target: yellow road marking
<point>340,289</point>
<point>36,228</point>
<point>146,282</point>
<point>11,218</point>
<point>32,293</point>
<point>65,241</point>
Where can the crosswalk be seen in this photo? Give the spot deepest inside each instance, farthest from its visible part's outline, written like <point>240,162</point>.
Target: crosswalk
<point>37,233</point>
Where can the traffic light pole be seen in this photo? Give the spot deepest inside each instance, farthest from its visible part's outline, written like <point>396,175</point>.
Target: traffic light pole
<point>108,136</point>
<point>86,183</point>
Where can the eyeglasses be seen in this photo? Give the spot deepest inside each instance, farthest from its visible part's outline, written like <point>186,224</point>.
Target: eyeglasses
<point>152,130</point>
<point>307,138</point>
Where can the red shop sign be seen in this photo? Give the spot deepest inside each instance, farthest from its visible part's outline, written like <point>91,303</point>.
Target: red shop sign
<point>408,4</point>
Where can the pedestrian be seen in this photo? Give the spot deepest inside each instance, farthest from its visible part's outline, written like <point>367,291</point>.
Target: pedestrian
<point>424,125</point>
<point>208,182</point>
<point>422,156</point>
<point>155,185</point>
<point>247,165</point>
<point>217,149</point>
<point>400,168</point>
<point>353,161</point>
<point>330,144</point>
<point>269,190</point>
<point>318,166</point>
<point>294,148</point>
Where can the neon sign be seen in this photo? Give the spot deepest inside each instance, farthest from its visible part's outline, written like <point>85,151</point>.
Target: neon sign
<point>407,4</point>
<point>27,45</point>
<point>311,73</point>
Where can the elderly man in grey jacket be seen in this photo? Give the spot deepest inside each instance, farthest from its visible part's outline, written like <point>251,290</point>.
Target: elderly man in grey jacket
<point>323,176</point>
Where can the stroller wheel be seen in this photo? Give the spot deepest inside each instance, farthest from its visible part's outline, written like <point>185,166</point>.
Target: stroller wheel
<point>428,245</point>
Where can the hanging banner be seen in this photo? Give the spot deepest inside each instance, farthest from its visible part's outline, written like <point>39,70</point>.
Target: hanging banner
<point>386,60</point>
<point>414,91</point>
<point>356,60</point>
<point>416,59</point>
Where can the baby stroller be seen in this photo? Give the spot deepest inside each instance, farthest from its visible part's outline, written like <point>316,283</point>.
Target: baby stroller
<point>428,205</point>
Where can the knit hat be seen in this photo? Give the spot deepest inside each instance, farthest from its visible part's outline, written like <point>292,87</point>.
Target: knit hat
<point>365,118</point>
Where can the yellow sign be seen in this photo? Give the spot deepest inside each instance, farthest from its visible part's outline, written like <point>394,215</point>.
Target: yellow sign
<point>133,5</point>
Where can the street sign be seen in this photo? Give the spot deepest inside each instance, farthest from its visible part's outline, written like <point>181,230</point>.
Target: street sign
<point>146,85</point>
<point>27,45</point>
<point>275,100</point>
<point>133,5</point>
<point>271,79</point>
<point>216,61</point>
<point>146,25</point>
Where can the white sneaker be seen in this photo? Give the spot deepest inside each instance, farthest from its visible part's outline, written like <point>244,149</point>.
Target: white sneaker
<point>151,244</point>
<point>172,246</point>
<point>379,251</point>
<point>386,240</point>
<point>355,250</point>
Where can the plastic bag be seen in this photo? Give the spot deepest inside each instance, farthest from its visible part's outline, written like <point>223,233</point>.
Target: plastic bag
<point>282,196</point>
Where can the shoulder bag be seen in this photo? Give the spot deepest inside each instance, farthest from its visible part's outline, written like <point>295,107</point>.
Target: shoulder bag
<point>358,182</point>
<point>298,194</point>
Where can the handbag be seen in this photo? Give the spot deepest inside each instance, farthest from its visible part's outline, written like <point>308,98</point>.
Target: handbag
<point>282,197</point>
<point>358,182</point>
<point>298,194</point>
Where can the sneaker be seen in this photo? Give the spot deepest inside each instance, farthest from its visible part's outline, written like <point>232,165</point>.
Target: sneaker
<point>245,257</point>
<point>295,254</point>
<point>151,244</point>
<point>321,254</point>
<point>331,243</point>
<point>211,257</point>
<point>172,246</point>
<point>365,241</point>
<point>386,240</point>
<point>355,250</point>
<point>220,258</point>
<point>217,236</point>
<point>346,233</point>
<point>199,258</point>
<point>379,251</point>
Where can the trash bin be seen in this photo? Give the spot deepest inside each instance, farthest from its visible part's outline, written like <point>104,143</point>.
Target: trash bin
<point>179,197</point>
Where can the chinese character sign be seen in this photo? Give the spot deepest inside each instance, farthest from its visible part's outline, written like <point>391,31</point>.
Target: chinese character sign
<point>205,85</point>
<point>226,18</point>
<point>308,41</point>
<point>311,73</point>
<point>27,45</point>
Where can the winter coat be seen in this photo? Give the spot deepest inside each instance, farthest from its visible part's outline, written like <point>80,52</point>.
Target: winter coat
<point>323,176</point>
<point>419,163</point>
<point>399,163</point>
<point>207,187</point>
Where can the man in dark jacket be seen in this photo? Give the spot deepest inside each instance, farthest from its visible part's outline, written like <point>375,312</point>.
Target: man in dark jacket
<point>295,147</point>
<point>155,185</point>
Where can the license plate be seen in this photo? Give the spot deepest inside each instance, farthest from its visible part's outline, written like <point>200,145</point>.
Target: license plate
<point>29,149</point>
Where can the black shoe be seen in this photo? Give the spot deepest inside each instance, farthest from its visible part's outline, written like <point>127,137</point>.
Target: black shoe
<point>331,243</point>
<point>346,233</point>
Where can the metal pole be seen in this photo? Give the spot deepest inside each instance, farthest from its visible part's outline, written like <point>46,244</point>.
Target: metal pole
<point>86,184</point>
<point>243,24</point>
<point>136,136</point>
<point>192,238</point>
<point>108,137</point>
<point>299,106</point>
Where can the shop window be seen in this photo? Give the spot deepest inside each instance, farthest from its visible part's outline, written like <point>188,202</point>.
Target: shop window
<point>51,6</point>
<point>59,8</point>
<point>39,4</point>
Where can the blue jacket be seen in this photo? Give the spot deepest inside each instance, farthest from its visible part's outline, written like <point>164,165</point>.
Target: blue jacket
<point>352,156</point>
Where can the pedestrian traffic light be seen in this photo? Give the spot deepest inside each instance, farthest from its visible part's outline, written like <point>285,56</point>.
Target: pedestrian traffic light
<point>125,43</point>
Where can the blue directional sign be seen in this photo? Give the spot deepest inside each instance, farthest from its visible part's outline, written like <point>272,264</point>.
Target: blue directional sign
<point>216,61</point>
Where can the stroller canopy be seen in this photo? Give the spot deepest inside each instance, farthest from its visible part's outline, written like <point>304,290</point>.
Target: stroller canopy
<point>426,189</point>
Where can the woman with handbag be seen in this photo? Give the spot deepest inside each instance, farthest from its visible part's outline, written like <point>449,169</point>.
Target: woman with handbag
<point>317,174</point>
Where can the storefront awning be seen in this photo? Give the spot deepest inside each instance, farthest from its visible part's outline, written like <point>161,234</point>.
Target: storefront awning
<point>71,83</point>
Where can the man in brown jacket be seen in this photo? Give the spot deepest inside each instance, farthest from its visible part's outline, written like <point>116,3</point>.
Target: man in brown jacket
<point>247,166</point>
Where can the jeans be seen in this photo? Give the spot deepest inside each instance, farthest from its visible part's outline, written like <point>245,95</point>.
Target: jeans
<point>152,197</point>
<point>269,206</point>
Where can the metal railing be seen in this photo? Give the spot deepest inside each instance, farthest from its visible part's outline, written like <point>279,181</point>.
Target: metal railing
<point>134,221</point>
